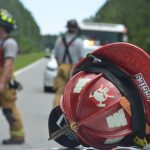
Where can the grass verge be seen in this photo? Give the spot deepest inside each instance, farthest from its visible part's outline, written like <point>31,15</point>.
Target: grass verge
<point>25,59</point>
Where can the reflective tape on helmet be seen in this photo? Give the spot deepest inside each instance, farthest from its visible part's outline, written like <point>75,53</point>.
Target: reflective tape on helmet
<point>4,17</point>
<point>10,20</point>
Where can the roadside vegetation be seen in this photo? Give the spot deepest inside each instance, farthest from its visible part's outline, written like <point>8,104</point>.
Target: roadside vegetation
<point>28,32</point>
<point>134,14</point>
<point>24,60</point>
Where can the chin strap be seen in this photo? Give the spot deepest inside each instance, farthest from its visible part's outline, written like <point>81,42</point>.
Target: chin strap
<point>59,133</point>
<point>67,130</point>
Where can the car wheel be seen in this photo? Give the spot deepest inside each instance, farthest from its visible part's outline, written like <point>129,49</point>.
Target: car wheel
<point>49,89</point>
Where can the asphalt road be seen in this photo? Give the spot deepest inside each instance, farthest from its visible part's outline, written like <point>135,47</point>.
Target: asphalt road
<point>34,106</point>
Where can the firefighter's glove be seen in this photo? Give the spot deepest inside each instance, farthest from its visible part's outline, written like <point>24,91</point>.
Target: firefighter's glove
<point>13,84</point>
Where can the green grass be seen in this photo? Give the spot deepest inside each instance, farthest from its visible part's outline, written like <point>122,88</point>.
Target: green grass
<point>26,59</point>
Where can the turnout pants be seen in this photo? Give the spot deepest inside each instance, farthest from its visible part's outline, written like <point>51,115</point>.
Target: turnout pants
<point>11,113</point>
<point>64,73</point>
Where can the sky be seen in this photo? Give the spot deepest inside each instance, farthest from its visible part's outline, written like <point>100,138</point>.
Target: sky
<point>51,15</point>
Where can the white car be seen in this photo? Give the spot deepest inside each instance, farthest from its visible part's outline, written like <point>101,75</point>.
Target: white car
<point>50,73</point>
<point>52,66</point>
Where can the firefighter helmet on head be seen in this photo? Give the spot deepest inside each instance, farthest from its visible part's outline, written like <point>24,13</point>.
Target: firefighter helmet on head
<point>6,20</point>
<point>104,103</point>
<point>72,24</point>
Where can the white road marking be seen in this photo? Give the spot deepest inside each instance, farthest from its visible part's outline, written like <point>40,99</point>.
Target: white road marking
<point>28,67</point>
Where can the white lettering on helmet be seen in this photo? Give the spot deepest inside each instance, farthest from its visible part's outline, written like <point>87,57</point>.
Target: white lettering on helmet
<point>143,85</point>
<point>80,84</point>
<point>118,119</point>
<point>101,95</point>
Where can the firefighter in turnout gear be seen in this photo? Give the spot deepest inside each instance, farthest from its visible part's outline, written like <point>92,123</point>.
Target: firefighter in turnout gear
<point>8,52</point>
<point>106,103</point>
<point>68,51</point>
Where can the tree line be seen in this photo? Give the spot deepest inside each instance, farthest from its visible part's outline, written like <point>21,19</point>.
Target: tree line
<point>28,32</point>
<point>134,14</point>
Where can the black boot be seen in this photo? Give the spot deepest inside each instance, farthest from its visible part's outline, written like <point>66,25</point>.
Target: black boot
<point>12,141</point>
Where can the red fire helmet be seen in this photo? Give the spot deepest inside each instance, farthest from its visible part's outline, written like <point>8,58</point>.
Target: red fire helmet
<point>107,101</point>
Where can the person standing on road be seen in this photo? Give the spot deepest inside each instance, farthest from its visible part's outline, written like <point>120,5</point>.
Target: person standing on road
<point>68,51</point>
<point>8,52</point>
